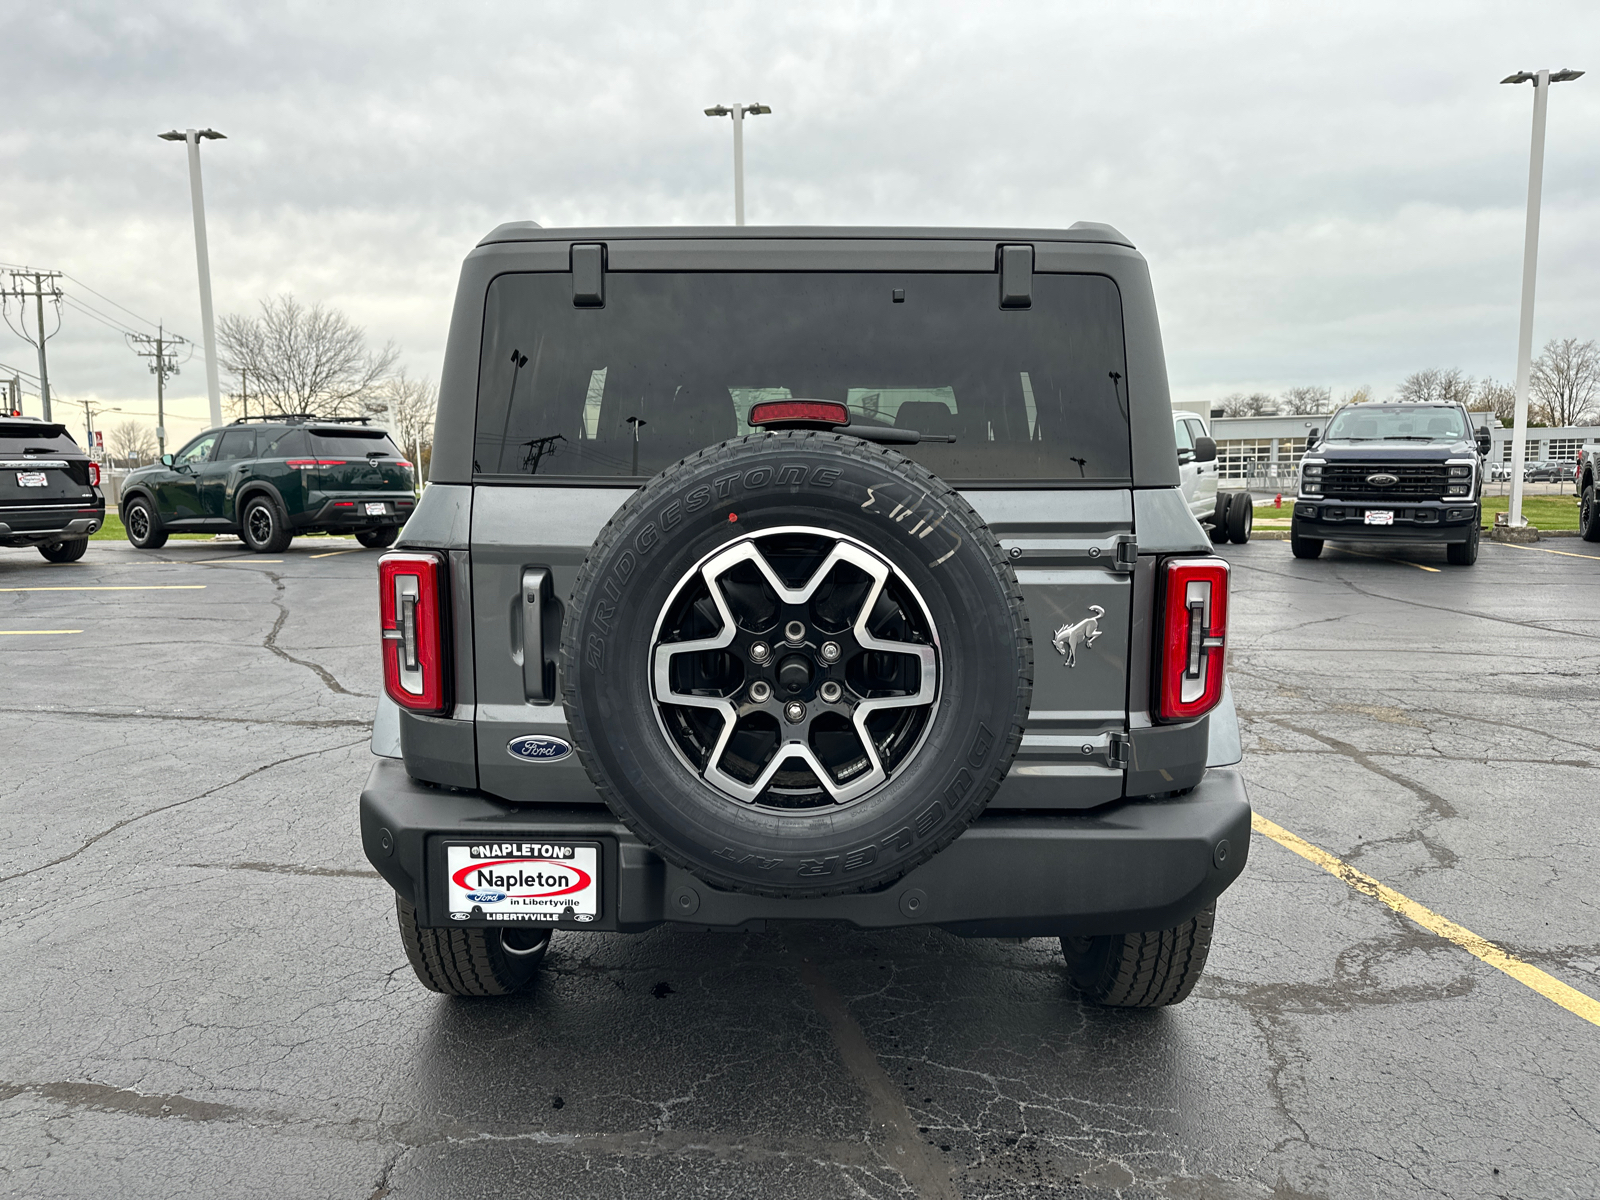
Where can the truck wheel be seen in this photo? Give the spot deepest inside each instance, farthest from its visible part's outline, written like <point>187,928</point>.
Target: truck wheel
<point>796,664</point>
<point>376,539</point>
<point>143,526</point>
<point>1303,547</point>
<point>471,962</point>
<point>1218,529</point>
<point>1588,518</point>
<point>64,552</point>
<point>1464,554</point>
<point>1141,970</point>
<point>262,526</point>
<point>1241,518</point>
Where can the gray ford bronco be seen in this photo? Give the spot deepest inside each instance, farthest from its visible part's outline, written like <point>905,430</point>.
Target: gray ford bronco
<point>806,574</point>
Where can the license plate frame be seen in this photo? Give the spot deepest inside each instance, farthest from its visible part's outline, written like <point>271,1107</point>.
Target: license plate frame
<point>32,479</point>
<point>377,508</point>
<point>520,881</point>
<point>1379,516</point>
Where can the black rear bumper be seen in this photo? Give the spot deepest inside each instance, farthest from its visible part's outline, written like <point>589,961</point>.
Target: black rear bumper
<point>1134,866</point>
<point>29,525</point>
<point>350,512</point>
<point>1440,521</point>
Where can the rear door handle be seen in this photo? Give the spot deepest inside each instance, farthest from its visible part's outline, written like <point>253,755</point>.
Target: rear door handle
<point>535,586</point>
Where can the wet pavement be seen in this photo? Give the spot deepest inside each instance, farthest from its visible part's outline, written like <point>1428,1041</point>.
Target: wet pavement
<point>206,994</point>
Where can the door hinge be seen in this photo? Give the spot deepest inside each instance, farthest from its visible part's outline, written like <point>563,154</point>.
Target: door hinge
<point>1117,751</point>
<point>1127,555</point>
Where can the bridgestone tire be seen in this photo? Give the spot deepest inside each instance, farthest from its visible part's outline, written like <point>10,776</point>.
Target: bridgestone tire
<point>1588,517</point>
<point>376,539</point>
<point>263,527</point>
<point>850,489</point>
<point>1304,547</point>
<point>143,526</point>
<point>64,552</point>
<point>471,962</point>
<point>1464,554</point>
<point>1241,518</point>
<point>1141,970</point>
<point>1219,518</point>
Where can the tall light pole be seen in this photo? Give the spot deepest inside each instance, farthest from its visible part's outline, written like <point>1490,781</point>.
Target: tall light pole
<point>1541,81</point>
<point>737,112</point>
<point>191,137</point>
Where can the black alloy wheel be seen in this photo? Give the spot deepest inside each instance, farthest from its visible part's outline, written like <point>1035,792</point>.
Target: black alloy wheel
<point>143,526</point>
<point>262,527</point>
<point>1588,518</point>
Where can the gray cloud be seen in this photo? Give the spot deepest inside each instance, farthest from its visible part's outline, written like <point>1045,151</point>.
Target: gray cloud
<point>1327,194</point>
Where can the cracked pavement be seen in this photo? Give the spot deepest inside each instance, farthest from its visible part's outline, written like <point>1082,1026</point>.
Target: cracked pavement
<point>206,993</point>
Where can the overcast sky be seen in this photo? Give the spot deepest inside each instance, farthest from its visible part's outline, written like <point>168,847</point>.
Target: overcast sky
<point>1327,194</point>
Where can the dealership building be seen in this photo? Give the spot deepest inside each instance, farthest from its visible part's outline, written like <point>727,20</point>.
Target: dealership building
<point>1270,448</point>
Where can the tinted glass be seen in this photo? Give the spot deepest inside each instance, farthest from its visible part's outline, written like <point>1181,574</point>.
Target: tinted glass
<point>18,437</point>
<point>236,444</point>
<point>352,443</point>
<point>196,451</point>
<point>282,443</point>
<point>1398,422</point>
<point>674,362</point>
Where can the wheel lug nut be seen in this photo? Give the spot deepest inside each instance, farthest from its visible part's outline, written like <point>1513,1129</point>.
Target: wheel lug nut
<point>794,631</point>
<point>795,712</point>
<point>830,652</point>
<point>761,691</point>
<point>760,652</point>
<point>831,692</point>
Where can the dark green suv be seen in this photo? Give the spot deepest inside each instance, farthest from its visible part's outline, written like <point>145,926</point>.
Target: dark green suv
<point>269,479</point>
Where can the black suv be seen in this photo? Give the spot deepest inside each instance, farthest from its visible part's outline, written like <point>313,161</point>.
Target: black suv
<point>806,574</point>
<point>269,479</point>
<point>49,490</point>
<point>1392,472</point>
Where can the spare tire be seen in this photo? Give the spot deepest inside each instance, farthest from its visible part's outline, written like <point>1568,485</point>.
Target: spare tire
<point>796,664</point>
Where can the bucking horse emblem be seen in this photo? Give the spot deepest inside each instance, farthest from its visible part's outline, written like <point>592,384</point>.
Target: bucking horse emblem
<point>1069,637</point>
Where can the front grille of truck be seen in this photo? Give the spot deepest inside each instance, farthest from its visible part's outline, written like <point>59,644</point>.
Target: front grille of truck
<point>1417,481</point>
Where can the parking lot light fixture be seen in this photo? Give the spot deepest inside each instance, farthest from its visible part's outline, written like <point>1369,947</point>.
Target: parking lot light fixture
<point>1541,81</point>
<point>738,112</point>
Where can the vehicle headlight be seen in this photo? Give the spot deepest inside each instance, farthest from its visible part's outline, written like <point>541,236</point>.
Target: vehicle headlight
<point>1312,469</point>
<point>1457,489</point>
<point>1460,472</point>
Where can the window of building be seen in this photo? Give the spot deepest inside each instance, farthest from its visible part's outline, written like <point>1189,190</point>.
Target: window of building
<point>1564,449</point>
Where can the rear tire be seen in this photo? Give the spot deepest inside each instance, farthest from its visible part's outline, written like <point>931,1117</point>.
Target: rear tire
<point>1141,970</point>
<point>1588,518</point>
<point>1304,547</point>
<point>263,527</point>
<point>377,539</point>
<point>143,526</point>
<point>1464,554</point>
<point>1218,529</point>
<point>64,552</point>
<point>1241,518</point>
<point>471,962</point>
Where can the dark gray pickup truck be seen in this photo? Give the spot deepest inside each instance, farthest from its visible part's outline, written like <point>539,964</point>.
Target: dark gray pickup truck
<point>806,574</point>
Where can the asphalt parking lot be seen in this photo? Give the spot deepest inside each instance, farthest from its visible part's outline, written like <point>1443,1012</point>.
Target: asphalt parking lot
<point>206,993</point>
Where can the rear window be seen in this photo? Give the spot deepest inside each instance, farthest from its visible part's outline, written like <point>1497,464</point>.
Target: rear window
<point>674,362</point>
<point>351,443</point>
<point>20,437</point>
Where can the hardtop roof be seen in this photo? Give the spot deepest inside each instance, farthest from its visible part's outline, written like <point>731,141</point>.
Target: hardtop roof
<point>531,231</point>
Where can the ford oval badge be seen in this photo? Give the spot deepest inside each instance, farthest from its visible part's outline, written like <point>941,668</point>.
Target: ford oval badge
<point>538,747</point>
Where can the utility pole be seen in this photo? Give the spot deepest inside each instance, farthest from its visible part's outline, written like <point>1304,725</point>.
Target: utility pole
<point>1541,81</point>
<point>737,112</point>
<point>191,138</point>
<point>159,351</point>
<point>44,286</point>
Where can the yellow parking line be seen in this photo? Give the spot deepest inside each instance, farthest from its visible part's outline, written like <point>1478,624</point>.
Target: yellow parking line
<point>1389,558</point>
<point>155,587</point>
<point>331,553</point>
<point>1541,549</point>
<point>32,632</point>
<point>1548,986</point>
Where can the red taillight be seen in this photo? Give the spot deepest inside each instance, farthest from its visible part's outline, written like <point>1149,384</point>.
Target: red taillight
<point>94,474</point>
<point>301,462</point>
<point>411,588</point>
<point>1194,599</point>
<point>823,412</point>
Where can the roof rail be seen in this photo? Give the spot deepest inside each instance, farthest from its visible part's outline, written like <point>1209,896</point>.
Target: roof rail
<point>303,419</point>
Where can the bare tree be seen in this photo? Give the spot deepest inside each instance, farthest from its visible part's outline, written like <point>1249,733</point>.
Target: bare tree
<point>1566,381</point>
<point>1501,398</point>
<point>131,443</point>
<point>304,360</point>
<point>1436,385</point>
<point>1256,404</point>
<point>1358,395</point>
<point>1307,401</point>
<point>409,406</point>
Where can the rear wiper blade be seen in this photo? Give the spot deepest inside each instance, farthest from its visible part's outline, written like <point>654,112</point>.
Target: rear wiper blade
<point>888,435</point>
